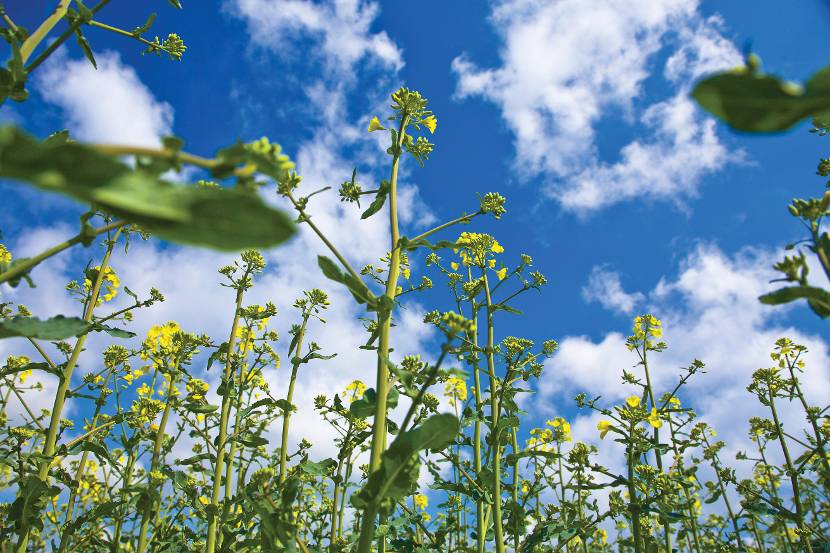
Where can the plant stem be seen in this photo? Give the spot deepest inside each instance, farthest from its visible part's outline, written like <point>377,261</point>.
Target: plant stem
<point>290,397</point>
<point>66,378</point>
<point>24,266</point>
<point>43,30</point>
<point>367,526</point>
<point>494,420</point>
<point>149,509</point>
<point>803,534</point>
<point>210,546</point>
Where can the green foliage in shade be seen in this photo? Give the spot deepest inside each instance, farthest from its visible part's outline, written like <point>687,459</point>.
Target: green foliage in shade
<point>750,101</point>
<point>365,406</point>
<point>398,472</point>
<point>219,218</point>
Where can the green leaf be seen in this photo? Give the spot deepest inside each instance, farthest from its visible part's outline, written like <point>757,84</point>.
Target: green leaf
<point>750,101</point>
<point>201,408</point>
<point>357,287</point>
<point>818,298</point>
<point>32,496</point>
<point>221,218</point>
<point>318,469</point>
<point>56,328</point>
<point>398,472</point>
<point>85,47</point>
<point>380,199</point>
<point>365,406</point>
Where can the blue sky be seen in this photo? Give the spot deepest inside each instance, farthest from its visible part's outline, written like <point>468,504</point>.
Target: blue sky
<point>627,196</point>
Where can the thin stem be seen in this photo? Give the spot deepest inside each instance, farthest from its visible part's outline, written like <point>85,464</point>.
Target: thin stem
<point>24,266</point>
<point>43,30</point>
<point>221,444</point>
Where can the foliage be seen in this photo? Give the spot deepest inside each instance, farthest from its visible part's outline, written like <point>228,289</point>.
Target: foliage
<point>118,478</point>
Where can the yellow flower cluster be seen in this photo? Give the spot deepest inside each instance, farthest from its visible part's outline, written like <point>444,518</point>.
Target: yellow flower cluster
<point>456,389</point>
<point>644,327</point>
<point>109,284</point>
<point>476,249</point>
<point>355,390</point>
<point>561,429</point>
<point>159,341</point>
<point>5,255</point>
<point>196,389</point>
<point>420,501</point>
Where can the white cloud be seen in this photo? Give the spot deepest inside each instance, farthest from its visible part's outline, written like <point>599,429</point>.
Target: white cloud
<point>605,288</point>
<point>109,104</point>
<point>568,65</point>
<point>341,30</point>
<point>710,311</point>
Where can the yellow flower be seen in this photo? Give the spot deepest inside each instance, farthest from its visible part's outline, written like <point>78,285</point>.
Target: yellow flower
<point>604,427</point>
<point>525,487</point>
<point>654,418</point>
<point>5,255</point>
<point>455,388</point>
<point>454,266</point>
<point>357,388</point>
<point>109,284</point>
<point>420,501</point>
<point>203,500</point>
<point>502,273</point>
<point>374,125</point>
<point>431,123</point>
<point>633,401</point>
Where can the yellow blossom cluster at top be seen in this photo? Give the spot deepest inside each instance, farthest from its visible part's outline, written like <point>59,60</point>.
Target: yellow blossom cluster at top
<point>5,255</point>
<point>159,339</point>
<point>456,389</point>
<point>355,390</point>
<point>109,283</point>
<point>420,501</point>
<point>476,249</point>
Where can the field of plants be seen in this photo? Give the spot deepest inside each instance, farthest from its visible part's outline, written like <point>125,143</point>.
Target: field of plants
<point>179,441</point>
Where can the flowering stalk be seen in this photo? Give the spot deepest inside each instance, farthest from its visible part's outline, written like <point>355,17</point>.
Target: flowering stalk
<point>150,506</point>
<point>253,263</point>
<point>295,365</point>
<point>66,379</point>
<point>489,352</point>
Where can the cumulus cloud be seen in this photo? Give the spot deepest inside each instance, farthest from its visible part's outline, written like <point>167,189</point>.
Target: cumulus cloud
<point>710,312</point>
<point>567,66</point>
<point>110,104</point>
<point>341,29</point>
<point>605,288</point>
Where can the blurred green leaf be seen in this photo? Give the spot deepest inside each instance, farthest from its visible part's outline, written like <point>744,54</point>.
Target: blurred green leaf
<point>220,218</point>
<point>754,102</point>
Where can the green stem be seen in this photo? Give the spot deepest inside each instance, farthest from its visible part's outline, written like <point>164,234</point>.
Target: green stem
<point>66,378</point>
<point>289,398</point>
<point>210,546</point>
<point>367,527</point>
<point>494,420</point>
<point>804,535</point>
<point>61,39</point>
<point>43,30</point>
<point>149,509</point>
<point>26,265</point>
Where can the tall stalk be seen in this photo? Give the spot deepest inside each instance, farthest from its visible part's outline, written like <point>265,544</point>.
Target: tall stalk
<point>66,380</point>
<point>494,419</point>
<point>295,365</point>
<point>221,444</point>
<point>367,527</point>
<point>150,506</point>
